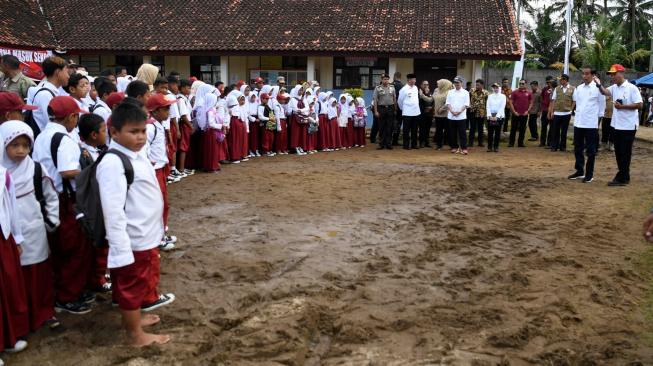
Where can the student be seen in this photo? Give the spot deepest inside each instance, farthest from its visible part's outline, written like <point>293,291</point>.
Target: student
<point>457,103</point>
<point>18,140</point>
<point>138,90</point>
<point>237,136</point>
<point>161,87</point>
<point>324,133</point>
<point>312,125</point>
<point>78,87</point>
<point>159,108</point>
<point>297,130</point>
<point>185,125</point>
<point>56,74</point>
<point>270,124</point>
<point>211,123</point>
<point>254,131</point>
<point>171,92</point>
<point>104,88</point>
<point>343,120</point>
<point>359,126</point>
<point>281,137</point>
<point>495,107</point>
<point>133,229</point>
<point>12,107</point>
<point>14,314</point>
<point>332,115</point>
<point>71,251</point>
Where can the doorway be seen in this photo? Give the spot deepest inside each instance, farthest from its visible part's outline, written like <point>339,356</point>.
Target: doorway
<point>432,70</point>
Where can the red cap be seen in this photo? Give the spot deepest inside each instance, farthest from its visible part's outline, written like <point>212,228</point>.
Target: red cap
<point>258,80</point>
<point>64,106</point>
<point>193,79</point>
<point>157,101</point>
<point>282,96</point>
<point>114,98</point>
<point>11,102</point>
<point>616,68</point>
<point>265,96</point>
<point>240,83</point>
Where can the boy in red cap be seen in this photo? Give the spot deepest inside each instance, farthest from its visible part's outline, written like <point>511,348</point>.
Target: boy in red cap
<point>71,251</point>
<point>159,108</point>
<point>12,107</point>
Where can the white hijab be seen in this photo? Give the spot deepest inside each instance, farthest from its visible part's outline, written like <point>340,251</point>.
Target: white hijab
<point>294,93</point>
<point>361,102</point>
<point>200,94</point>
<point>8,215</point>
<point>122,82</point>
<point>22,174</point>
<point>209,101</point>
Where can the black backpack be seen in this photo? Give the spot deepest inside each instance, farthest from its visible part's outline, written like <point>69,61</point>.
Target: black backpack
<point>94,107</point>
<point>88,206</point>
<point>29,115</point>
<point>38,192</point>
<point>54,147</point>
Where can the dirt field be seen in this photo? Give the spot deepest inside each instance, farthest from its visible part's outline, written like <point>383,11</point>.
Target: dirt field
<point>397,257</point>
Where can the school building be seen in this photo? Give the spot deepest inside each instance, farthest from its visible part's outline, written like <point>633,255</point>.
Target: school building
<point>341,44</point>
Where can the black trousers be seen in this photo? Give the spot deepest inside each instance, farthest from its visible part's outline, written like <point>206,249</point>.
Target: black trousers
<point>425,122</point>
<point>441,128</point>
<point>560,127</point>
<point>386,122</point>
<point>607,131</point>
<point>375,129</point>
<point>476,124</point>
<point>623,151</point>
<point>397,128</point>
<point>518,123</point>
<point>586,140</point>
<point>410,131</point>
<point>494,134</point>
<point>545,132</point>
<point>507,119</point>
<point>532,126</point>
<point>458,134</point>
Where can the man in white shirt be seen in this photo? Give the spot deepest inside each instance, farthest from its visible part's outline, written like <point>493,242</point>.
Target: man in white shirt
<point>625,119</point>
<point>588,101</point>
<point>457,104</point>
<point>408,102</point>
<point>56,76</point>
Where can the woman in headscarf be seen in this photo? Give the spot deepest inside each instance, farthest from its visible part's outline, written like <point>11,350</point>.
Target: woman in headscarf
<point>324,133</point>
<point>193,90</point>
<point>211,124</point>
<point>254,135</point>
<point>37,269</point>
<point>298,131</point>
<point>440,112</point>
<point>148,73</point>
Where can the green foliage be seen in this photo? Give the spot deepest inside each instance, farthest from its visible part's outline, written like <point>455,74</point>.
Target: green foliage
<point>546,39</point>
<point>635,16</point>
<point>355,92</point>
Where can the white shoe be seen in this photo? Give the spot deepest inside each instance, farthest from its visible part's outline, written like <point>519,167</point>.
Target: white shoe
<point>2,363</point>
<point>18,347</point>
<point>245,159</point>
<point>166,247</point>
<point>258,154</point>
<point>170,239</point>
<point>161,301</point>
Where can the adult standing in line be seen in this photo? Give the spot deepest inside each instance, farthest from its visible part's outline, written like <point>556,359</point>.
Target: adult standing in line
<point>506,90</point>
<point>478,101</point>
<point>627,101</point>
<point>496,107</point>
<point>374,131</point>
<point>589,103</point>
<point>534,110</point>
<point>520,101</point>
<point>562,103</point>
<point>408,102</point>
<point>545,95</point>
<point>426,116</point>
<point>14,80</point>
<point>457,104</point>
<point>398,119</point>
<point>441,111</point>
<point>385,106</point>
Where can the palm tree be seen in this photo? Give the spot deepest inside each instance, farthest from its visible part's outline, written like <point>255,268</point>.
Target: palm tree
<point>637,14</point>
<point>583,11</point>
<point>546,39</point>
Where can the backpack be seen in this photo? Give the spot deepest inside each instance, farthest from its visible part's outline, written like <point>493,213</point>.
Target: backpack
<point>94,107</point>
<point>29,115</point>
<point>38,192</point>
<point>88,206</point>
<point>54,147</point>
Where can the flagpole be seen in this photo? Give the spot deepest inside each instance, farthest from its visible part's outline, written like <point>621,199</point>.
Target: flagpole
<point>568,17</point>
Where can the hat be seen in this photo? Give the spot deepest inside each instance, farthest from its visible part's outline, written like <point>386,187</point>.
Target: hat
<point>12,102</point>
<point>616,68</point>
<point>114,98</point>
<point>281,79</point>
<point>64,106</point>
<point>265,96</point>
<point>258,80</point>
<point>157,101</point>
<point>240,83</point>
<point>282,96</point>
<point>411,76</point>
<point>496,85</point>
<point>457,79</point>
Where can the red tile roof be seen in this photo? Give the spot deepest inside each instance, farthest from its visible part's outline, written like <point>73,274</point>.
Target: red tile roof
<point>23,25</point>
<point>436,28</point>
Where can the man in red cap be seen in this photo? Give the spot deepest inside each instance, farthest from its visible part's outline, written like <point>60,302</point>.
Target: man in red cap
<point>627,101</point>
<point>71,250</point>
<point>258,84</point>
<point>12,107</point>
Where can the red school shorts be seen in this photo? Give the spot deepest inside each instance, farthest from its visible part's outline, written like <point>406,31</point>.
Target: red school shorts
<point>135,284</point>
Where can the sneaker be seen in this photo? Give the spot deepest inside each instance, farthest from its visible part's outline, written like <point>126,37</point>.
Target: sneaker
<point>53,323</point>
<point>258,154</point>
<point>617,183</point>
<point>170,239</point>
<point>245,159</point>
<point>104,289</point>
<point>235,162</point>
<point>166,247</point>
<point>610,146</point>
<point>87,297</point>
<point>465,152</point>
<point>18,347</point>
<point>163,300</point>
<point>588,179</point>
<point>172,179</point>
<point>576,175</point>
<point>189,172</point>
<point>77,308</point>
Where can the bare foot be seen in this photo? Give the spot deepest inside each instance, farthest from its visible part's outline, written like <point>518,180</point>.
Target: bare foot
<point>149,319</point>
<point>146,339</point>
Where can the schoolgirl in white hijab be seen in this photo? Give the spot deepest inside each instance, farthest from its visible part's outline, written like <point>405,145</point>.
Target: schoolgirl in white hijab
<point>324,133</point>
<point>122,82</point>
<point>254,133</point>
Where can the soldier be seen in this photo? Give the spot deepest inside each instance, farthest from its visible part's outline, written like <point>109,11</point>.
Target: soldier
<point>15,81</point>
<point>397,127</point>
<point>384,101</point>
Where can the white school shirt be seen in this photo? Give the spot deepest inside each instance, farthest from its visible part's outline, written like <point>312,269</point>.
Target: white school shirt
<point>174,108</point>
<point>102,110</point>
<point>625,119</point>
<point>156,144</point>
<point>408,101</point>
<point>67,155</point>
<point>41,100</point>
<point>183,106</point>
<point>588,105</point>
<point>457,99</point>
<point>332,112</point>
<point>92,150</point>
<point>133,216</point>
<point>496,103</point>
<point>553,98</point>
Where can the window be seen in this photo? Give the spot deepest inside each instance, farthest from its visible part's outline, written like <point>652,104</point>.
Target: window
<point>91,63</point>
<point>206,68</point>
<point>270,76</point>
<point>131,63</point>
<point>160,62</point>
<point>292,68</point>
<point>359,72</point>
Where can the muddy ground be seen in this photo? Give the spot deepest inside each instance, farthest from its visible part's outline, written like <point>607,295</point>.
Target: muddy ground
<point>366,257</point>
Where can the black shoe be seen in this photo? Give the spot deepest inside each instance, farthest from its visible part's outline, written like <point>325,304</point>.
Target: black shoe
<point>522,145</point>
<point>380,148</point>
<point>588,180</point>
<point>77,308</point>
<point>576,175</point>
<point>406,148</point>
<point>617,183</point>
<point>533,139</point>
<point>511,145</point>
<point>481,145</point>
<point>87,297</point>
<point>161,301</point>
<point>553,149</point>
<point>427,146</point>
<point>389,147</point>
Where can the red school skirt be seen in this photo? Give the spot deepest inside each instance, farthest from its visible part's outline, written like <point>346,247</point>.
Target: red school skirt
<point>39,286</point>
<point>281,138</point>
<point>298,133</point>
<point>254,136</point>
<point>14,308</point>
<point>334,132</point>
<point>237,139</point>
<point>211,161</point>
<point>323,133</point>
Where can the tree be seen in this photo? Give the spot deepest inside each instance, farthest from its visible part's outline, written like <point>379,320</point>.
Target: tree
<point>584,12</point>
<point>637,16</point>
<point>607,48</point>
<point>547,38</point>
